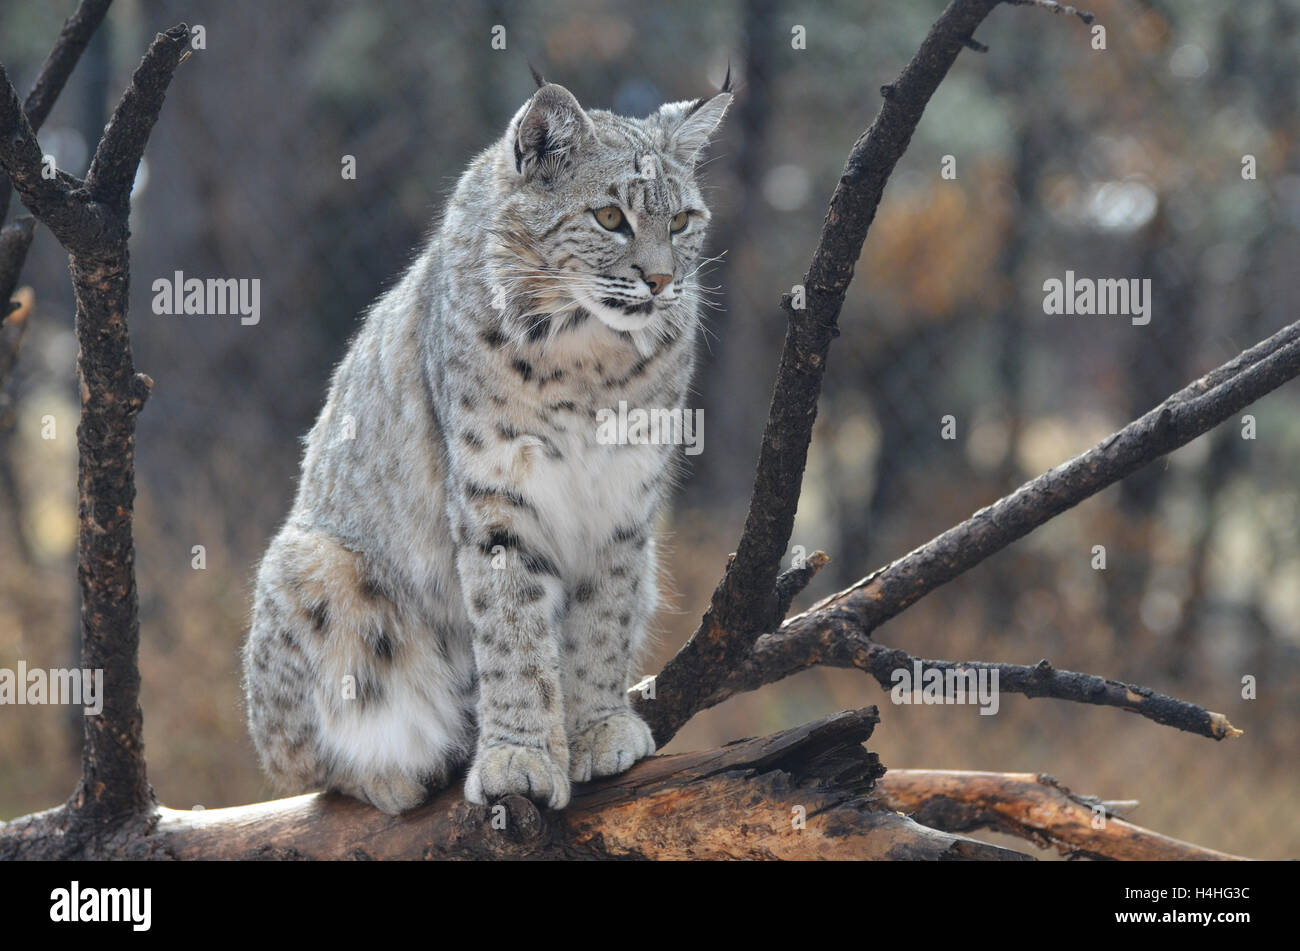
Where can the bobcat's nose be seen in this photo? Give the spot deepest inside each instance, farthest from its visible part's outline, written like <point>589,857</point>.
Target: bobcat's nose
<point>658,282</point>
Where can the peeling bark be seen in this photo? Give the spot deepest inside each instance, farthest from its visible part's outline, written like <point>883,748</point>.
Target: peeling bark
<point>746,800</point>
<point>1034,807</point>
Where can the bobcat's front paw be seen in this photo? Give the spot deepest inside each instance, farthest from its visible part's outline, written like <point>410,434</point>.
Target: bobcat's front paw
<point>526,771</point>
<point>609,746</point>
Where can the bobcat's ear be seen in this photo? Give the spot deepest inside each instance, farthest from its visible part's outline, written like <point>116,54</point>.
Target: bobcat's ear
<point>688,126</point>
<point>546,130</point>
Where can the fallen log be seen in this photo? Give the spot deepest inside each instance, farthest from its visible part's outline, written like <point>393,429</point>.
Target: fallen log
<point>804,793</point>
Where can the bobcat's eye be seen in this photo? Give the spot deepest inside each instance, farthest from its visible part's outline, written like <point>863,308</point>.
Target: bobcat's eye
<point>610,218</point>
<point>679,221</point>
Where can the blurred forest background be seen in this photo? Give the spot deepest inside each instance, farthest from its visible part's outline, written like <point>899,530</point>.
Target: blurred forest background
<point>1117,163</point>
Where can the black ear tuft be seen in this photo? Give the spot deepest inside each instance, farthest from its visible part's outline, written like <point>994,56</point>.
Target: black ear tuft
<point>541,81</point>
<point>726,87</point>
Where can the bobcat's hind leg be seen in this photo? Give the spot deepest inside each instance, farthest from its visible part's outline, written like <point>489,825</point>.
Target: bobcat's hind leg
<point>350,688</point>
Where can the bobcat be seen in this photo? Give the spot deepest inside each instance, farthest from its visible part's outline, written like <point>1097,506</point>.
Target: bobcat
<point>467,571</point>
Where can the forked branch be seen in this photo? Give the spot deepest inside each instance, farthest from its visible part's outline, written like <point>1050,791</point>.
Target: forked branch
<point>90,219</point>
<point>835,630</point>
<point>746,602</point>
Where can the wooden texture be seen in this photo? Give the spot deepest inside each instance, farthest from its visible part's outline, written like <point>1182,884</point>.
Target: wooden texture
<point>1031,806</point>
<point>800,794</point>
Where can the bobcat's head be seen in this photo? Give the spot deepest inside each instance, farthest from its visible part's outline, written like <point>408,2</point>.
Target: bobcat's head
<point>602,214</point>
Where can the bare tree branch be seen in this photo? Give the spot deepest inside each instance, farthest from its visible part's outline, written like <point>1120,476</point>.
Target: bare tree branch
<point>1033,807</point>
<point>113,780</point>
<point>746,603</point>
<point>1044,680</point>
<point>72,42</point>
<point>1053,7</point>
<point>1178,420</point>
<point>834,630</point>
<point>91,215</point>
<point>51,200</point>
<point>838,643</point>
<point>794,579</point>
<point>16,237</point>
<point>58,66</point>
<point>112,171</point>
<point>91,223</point>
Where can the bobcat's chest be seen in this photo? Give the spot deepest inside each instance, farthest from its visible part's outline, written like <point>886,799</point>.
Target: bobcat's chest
<point>588,473</point>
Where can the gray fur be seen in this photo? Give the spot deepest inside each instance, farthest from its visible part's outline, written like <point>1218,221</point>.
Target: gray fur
<point>467,574</point>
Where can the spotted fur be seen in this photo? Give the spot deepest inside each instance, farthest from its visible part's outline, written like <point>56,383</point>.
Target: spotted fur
<point>467,573</point>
